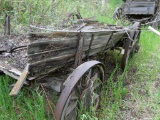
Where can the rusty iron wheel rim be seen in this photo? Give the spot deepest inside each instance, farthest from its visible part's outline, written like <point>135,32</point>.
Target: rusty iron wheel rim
<point>71,85</point>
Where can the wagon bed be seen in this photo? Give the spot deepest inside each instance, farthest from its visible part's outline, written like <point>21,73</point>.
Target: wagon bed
<point>45,52</point>
<point>37,54</point>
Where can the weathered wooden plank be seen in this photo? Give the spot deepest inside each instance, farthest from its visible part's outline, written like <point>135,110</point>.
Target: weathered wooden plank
<point>94,32</point>
<point>50,45</point>
<point>116,37</point>
<point>42,46</point>
<point>49,54</point>
<point>35,37</point>
<point>45,72</point>
<point>50,63</point>
<point>38,69</point>
<point>140,4</point>
<point>54,34</point>
<point>42,66</point>
<point>20,82</point>
<point>60,38</point>
<point>139,10</point>
<point>58,59</point>
<point>11,74</point>
<point>4,67</point>
<point>144,0</point>
<point>58,52</point>
<point>11,71</point>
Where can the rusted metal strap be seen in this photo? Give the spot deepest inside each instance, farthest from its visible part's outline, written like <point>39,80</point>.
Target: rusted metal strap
<point>78,56</point>
<point>7,25</point>
<point>87,55</point>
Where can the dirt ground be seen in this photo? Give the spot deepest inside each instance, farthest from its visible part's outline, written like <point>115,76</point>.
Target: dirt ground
<point>13,51</point>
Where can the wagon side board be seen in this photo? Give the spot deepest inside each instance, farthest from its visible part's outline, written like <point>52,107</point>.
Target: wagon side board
<point>47,52</point>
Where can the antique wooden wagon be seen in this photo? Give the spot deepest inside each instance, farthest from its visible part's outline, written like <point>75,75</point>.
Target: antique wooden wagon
<point>39,54</point>
<point>144,11</point>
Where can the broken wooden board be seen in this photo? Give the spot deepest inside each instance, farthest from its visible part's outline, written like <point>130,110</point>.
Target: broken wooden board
<point>21,80</point>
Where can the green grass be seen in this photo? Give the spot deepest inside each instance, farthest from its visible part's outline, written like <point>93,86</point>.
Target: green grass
<point>28,105</point>
<point>46,13</point>
<point>133,94</point>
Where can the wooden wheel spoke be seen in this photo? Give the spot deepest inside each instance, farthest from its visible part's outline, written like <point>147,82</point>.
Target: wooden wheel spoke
<point>97,85</point>
<point>94,77</point>
<point>85,79</point>
<point>89,74</point>
<point>95,96</point>
<point>71,108</point>
<point>95,100</point>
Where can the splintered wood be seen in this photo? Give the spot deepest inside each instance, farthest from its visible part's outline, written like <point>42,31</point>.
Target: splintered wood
<point>20,82</point>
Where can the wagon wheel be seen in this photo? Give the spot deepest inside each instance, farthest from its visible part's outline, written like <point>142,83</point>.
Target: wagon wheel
<point>82,91</point>
<point>130,46</point>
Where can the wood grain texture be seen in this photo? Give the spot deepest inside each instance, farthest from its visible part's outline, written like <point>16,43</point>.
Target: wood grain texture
<point>20,82</point>
<point>48,52</point>
<point>42,54</point>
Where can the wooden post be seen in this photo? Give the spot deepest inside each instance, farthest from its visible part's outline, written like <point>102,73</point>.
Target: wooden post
<point>79,53</point>
<point>7,25</point>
